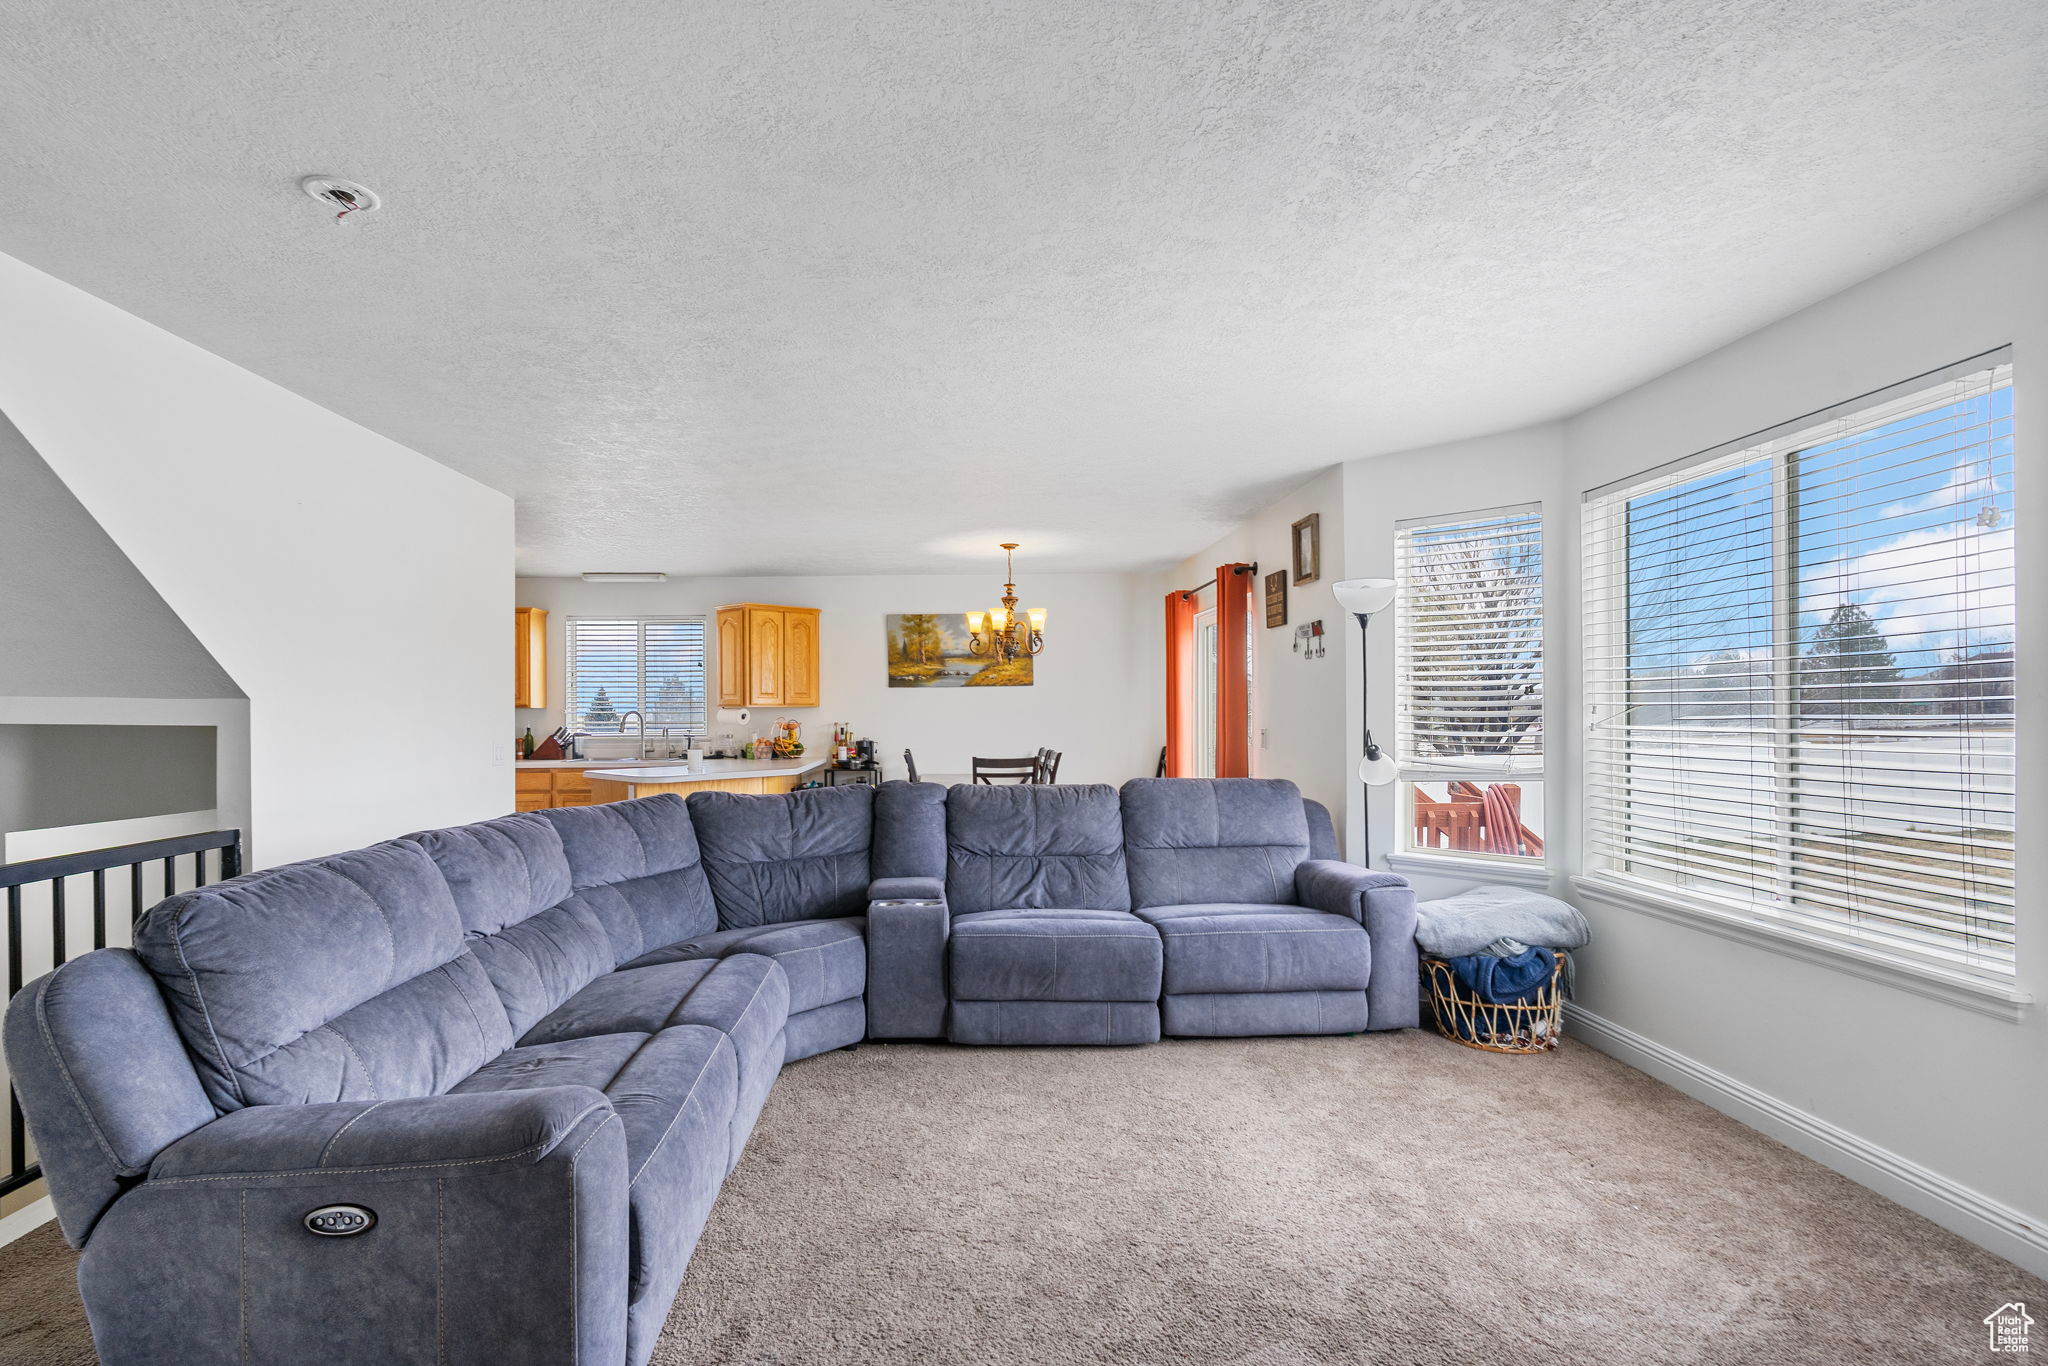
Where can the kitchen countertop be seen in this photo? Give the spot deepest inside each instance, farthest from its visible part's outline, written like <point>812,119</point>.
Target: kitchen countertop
<point>710,770</point>
<point>591,763</point>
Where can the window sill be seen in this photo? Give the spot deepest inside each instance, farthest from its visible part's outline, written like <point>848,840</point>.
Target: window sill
<point>1532,873</point>
<point>1986,997</point>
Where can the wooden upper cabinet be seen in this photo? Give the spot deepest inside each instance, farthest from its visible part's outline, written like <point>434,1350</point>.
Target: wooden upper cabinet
<point>529,657</point>
<point>732,657</point>
<point>766,686</point>
<point>800,659</point>
<point>767,655</point>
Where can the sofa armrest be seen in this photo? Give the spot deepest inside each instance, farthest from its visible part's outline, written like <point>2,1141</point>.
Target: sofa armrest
<point>1384,904</point>
<point>512,1127</point>
<point>490,1226</point>
<point>907,959</point>
<point>906,889</point>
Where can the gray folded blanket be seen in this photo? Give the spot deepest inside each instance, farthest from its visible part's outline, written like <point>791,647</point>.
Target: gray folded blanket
<point>1466,923</point>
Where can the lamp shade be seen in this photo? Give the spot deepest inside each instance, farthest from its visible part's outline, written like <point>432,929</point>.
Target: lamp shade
<point>1037,618</point>
<point>1378,768</point>
<point>1363,597</point>
<point>974,623</point>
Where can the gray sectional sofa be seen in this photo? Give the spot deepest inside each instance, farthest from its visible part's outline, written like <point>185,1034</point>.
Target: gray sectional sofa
<point>467,1096</point>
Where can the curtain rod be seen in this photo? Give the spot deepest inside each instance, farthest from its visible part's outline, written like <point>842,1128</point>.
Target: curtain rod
<point>1251,568</point>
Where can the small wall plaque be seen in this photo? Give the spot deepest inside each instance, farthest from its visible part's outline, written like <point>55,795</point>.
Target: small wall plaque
<point>1276,598</point>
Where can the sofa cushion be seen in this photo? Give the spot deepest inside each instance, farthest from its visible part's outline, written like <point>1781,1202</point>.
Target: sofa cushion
<point>1054,955</point>
<point>1213,839</point>
<point>638,866</point>
<point>500,872</point>
<point>745,998</point>
<point>344,978</point>
<point>628,1001</point>
<point>826,961</point>
<point>1031,846</point>
<point>1250,948</point>
<point>797,856</point>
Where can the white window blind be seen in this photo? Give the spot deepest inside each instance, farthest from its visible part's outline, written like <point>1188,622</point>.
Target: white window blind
<point>1800,675</point>
<point>1469,641</point>
<point>1469,680</point>
<point>652,665</point>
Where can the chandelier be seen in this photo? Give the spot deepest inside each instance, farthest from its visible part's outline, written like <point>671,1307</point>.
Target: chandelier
<point>1002,634</point>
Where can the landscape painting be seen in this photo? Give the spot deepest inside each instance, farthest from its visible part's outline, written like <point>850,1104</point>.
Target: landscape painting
<point>931,650</point>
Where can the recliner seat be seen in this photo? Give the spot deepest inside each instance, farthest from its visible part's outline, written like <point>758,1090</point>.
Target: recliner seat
<point>1043,947</point>
<point>1259,937</point>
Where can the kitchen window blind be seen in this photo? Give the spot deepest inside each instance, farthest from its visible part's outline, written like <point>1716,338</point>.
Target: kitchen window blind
<point>1799,672</point>
<point>653,665</point>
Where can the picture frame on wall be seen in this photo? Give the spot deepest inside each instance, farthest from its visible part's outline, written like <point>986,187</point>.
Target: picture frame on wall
<point>1308,548</point>
<point>1276,598</point>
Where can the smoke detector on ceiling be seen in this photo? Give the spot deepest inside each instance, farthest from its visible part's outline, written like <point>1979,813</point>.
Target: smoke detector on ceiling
<point>344,195</point>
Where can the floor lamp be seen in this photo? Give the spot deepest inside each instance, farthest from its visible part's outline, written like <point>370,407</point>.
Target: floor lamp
<point>1363,598</point>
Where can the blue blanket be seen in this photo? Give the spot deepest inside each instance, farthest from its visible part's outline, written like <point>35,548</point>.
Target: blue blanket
<point>1517,979</point>
<point>1510,981</point>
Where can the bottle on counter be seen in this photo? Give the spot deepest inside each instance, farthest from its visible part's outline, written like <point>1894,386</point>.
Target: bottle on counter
<point>526,744</point>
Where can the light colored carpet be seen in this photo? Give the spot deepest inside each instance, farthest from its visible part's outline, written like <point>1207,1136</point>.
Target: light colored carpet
<point>1391,1199</point>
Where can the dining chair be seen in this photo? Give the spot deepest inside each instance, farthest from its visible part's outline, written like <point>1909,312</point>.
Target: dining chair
<point>993,771</point>
<point>1049,765</point>
<point>910,764</point>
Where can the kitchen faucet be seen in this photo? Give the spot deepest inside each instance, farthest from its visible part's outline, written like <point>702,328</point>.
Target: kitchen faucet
<point>639,721</point>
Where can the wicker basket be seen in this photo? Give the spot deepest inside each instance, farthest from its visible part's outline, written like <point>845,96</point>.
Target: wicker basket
<point>1531,1028</point>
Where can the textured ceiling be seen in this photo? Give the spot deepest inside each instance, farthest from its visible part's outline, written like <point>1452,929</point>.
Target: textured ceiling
<point>868,286</point>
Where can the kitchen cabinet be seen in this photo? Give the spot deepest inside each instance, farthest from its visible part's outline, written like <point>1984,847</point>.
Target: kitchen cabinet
<point>529,657</point>
<point>538,789</point>
<point>767,655</point>
<point>800,655</point>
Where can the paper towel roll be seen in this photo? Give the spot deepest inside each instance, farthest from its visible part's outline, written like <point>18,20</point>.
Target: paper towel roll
<point>733,716</point>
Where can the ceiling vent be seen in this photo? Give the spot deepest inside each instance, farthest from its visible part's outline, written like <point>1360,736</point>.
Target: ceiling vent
<point>343,195</point>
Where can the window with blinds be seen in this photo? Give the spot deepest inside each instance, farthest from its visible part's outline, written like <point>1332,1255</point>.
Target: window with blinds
<point>1800,675</point>
<point>1468,625</point>
<point>652,665</point>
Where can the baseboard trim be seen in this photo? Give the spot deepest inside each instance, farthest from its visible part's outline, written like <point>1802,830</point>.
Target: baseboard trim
<point>25,1220</point>
<point>1993,1226</point>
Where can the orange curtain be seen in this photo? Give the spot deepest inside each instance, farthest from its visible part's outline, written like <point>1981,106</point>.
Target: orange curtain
<point>1233,670</point>
<point>1180,660</point>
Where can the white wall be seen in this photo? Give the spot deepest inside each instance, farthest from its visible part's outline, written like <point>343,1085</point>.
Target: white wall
<point>1961,1093</point>
<point>1298,703</point>
<point>1938,1105</point>
<point>1484,472</point>
<point>1096,693</point>
<point>359,593</point>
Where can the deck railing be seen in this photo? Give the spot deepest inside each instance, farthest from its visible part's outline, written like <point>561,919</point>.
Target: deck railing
<point>40,892</point>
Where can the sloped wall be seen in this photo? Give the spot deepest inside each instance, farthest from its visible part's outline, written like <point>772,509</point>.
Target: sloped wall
<point>79,619</point>
<point>357,592</point>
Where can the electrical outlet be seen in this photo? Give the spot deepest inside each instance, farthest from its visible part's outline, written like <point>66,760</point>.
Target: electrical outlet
<point>1262,737</point>
<point>501,752</point>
